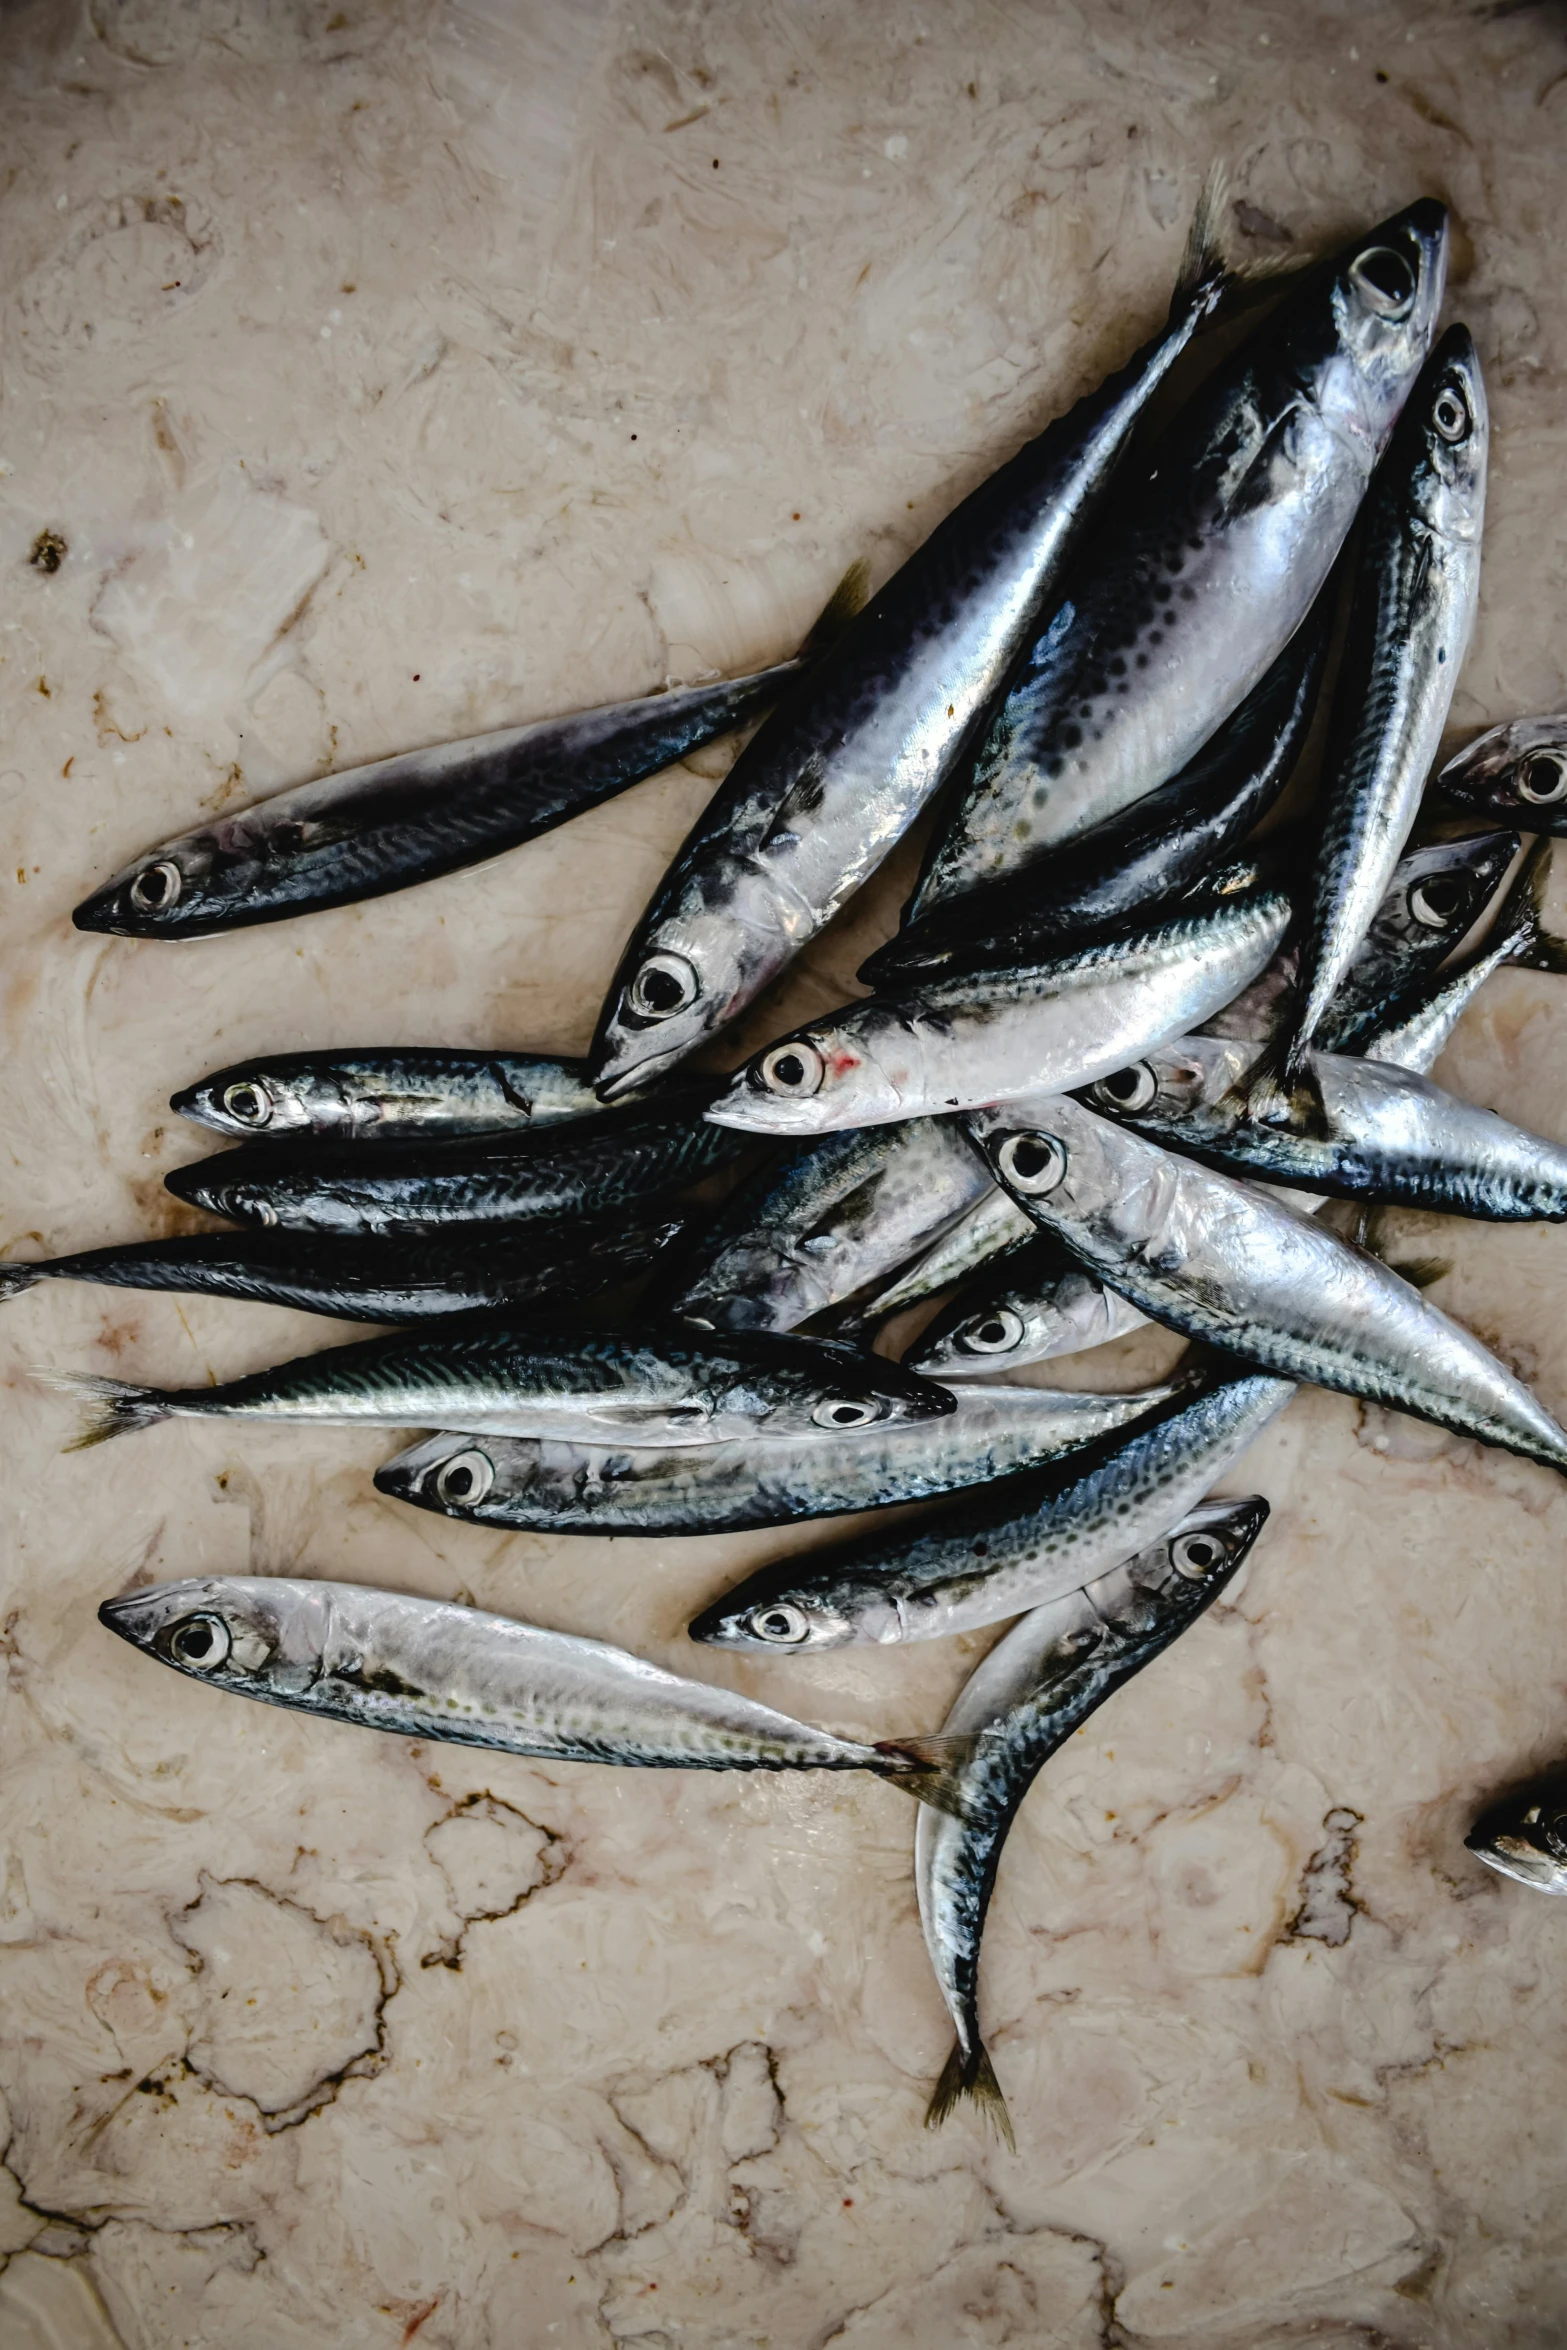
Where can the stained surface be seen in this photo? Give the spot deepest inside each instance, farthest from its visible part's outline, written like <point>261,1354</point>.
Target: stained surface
<point>380,373</point>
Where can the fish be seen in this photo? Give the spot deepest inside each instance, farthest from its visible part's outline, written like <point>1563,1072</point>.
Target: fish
<point>387,1093</point>
<point>589,1168</point>
<point>1215,550</point>
<point>993,1227</point>
<point>835,777</point>
<point>1516,771</point>
<point>365,831</point>
<point>1525,1836</point>
<point>1226,1263</point>
<point>1039,1684</point>
<point>997,1551</point>
<point>647,1387</point>
<point>833,1216</point>
<point>976,1035</point>
<point>553,1488</point>
<point>1153,850</point>
<point>1034,1305</point>
<point>1417,588</point>
<point>426,1668</point>
<point>1413,1028</point>
<point>408,1280</point>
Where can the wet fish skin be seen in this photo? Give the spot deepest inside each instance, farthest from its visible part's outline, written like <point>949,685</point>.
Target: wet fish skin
<point>1417,588</point>
<point>1039,1684</point>
<point>992,1553</point>
<point>1516,772</point>
<point>388,1093</point>
<point>993,1227</point>
<point>1525,1836</point>
<point>1033,1306</point>
<point>976,1034</point>
<point>554,1488</point>
<point>423,1668</point>
<point>636,1388</point>
<point>1412,1028</point>
<point>1224,1262</point>
<point>1211,559</point>
<point>841,769</point>
<point>406,1280</point>
<point>584,1169</point>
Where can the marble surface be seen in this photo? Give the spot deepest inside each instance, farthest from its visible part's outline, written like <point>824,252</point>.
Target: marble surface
<point>397,368</point>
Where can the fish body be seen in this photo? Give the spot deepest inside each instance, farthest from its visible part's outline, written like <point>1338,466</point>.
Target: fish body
<point>554,1488</point>
<point>1224,1262</point>
<point>840,770</point>
<point>1015,1545</point>
<point>1033,1306</point>
<point>389,1093</point>
<point>423,1668</point>
<point>1525,1836</point>
<point>404,1280</point>
<point>992,1227</point>
<point>490,1376</point>
<point>1516,773</point>
<point>1215,554</point>
<point>1040,1683</point>
<point>987,1034</point>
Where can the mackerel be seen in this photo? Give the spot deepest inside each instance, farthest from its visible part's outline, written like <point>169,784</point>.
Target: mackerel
<point>1033,1306</point>
<point>387,1093</point>
<point>1517,771</point>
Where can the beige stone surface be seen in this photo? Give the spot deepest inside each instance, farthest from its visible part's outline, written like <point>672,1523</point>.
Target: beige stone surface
<point>399,368</point>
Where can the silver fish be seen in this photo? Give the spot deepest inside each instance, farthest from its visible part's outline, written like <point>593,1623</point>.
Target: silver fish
<point>388,1093</point>
<point>1223,1261</point>
<point>1525,1836</point>
<point>1037,1686</point>
<point>1517,771</point>
<point>1036,1305</point>
<point>1010,1546</point>
<point>423,1668</point>
<point>976,1035</point>
<point>992,1227</point>
<point>553,1488</point>
<point>487,1375</point>
<point>1416,593</point>
<point>842,768</point>
<point>1215,555</point>
<point>1412,1030</point>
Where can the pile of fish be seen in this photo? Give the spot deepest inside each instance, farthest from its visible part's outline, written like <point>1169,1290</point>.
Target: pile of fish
<point>1140,1050</point>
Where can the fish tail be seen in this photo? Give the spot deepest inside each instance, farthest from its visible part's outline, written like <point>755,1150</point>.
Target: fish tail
<point>15,1278</point>
<point>1281,1089</point>
<point>930,1769</point>
<point>1205,272</point>
<point>970,2075</point>
<point>1523,915</point>
<point>849,596</point>
<point>113,1406</point>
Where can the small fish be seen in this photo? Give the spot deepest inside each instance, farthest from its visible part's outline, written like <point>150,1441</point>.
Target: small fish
<point>555,1488</point>
<point>1226,1263</point>
<point>1010,1546</point>
<point>1525,1836</point>
<point>1215,552</point>
<point>992,1227</point>
<point>1037,1686</point>
<point>974,1035</point>
<point>387,1093</point>
<point>406,1280</point>
<point>647,1388</point>
<point>1417,588</point>
<point>368,830</point>
<point>1517,771</point>
<point>832,1217</point>
<point>842,768</point>
<point>1035,1305</point>
<point>424,1668</point>
<point>583,1169</point>
<point>1412,1028</point>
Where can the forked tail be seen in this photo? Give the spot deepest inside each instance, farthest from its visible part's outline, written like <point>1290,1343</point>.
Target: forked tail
<point>970,2076</point>
<point>1205,273</point>
<point>930,1769</point>
<point>15,1278</point>
<point>1278,1091</point>
<point>847,598</point>
<point>114,1407</point>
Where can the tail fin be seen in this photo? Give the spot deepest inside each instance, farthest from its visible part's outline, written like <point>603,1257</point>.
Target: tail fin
<point>1205,273</point>
<point>1537,948</point>
<point>930,1769</point>
<point>850,596</point>
<point>970,2076</point>
<point>1273,1093</point>
<point>15,1278</point>
<point>114,1407</point>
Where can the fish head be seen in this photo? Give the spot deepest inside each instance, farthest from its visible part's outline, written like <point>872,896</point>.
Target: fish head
<point>1384,295</point>
<point>801,1384</point>
<point>1517,772</point>
<point>1174,1081</point>
<point>1525,1837</point>
<point>238,1632</point>
<point>783,1610</point>
<point>257,1099</point>
<point>817,1081</point>
<point>680,981</point>
<point>244,868</point>
<point>1203,1553</point>
<point>227,1184</point>
<point>977,1341</point>
<point>1439,892</point>
<point>456,1475</point>
<point>1448,411</point>
<point>1058,1160</point>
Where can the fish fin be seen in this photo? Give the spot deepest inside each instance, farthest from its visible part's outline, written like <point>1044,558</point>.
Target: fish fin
<point>1204,267</point>
<point>1419,1272</point>
<point>114,1406</point>
<point>970,2076</point>
<point>1536,948</point>
<point>1281,1089</point>
<point>850,596</point>
<point>15,1278</point>
<point>931,1769</point>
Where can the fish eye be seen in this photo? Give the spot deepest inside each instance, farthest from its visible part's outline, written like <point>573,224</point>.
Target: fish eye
<point>994,1333</point>
<point>1032,1163</point>
<point>666,984</point>
<point>1196,1555</point>
<point>247,1102</point>
<point>1434,903</point>
<point>1450,415</point>
<point>1385,280</point>
<point>200,1642</point>
<point>157,887</point>
<point>1130,1089</point>
<point>784,1627</point>
<point>846,1411</point>
<point>1542,778</point>
<point>793,1070</point>
<point>465,1478</point>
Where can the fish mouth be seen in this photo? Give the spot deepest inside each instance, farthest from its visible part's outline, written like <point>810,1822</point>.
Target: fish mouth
<point>104,912</point>
<point>716,1627</point>
<point>615,1075</point>
<point>751,1112</point>
<point>198,1188</point>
